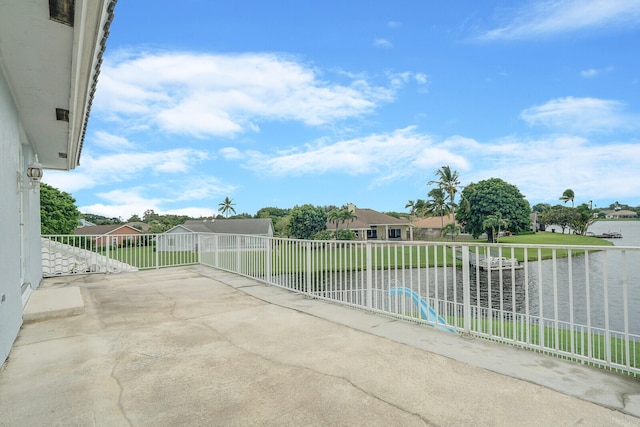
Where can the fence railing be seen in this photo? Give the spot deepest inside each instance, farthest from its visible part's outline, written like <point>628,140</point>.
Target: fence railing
<point>71,254</point>
<point>575,302</point>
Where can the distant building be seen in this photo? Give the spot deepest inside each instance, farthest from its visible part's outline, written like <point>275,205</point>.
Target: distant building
<point>374,225</point>
<point>114,234</point>
<point>621,214</point>
<point>184,237</point>
<point>431,227</point>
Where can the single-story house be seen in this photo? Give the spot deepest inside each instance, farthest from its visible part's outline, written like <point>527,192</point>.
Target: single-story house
<point>51,53</point>
<point>184,237</point>
<point>114,234</point>
<point>431,227</point>
<point>374,225</point>
<point>624,213</point>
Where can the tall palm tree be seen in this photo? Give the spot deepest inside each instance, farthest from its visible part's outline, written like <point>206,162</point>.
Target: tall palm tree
<point>568,195</point>
<point>412,205</point>
<point>417,208</point>
<point>335,217</point>
<point>226,206</point>
<point>347,216</point>
<point>437,204</point>
<point>449,182</point>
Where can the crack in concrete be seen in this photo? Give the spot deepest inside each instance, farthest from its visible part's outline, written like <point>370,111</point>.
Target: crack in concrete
<point>117,380</point>
<point>424,419</point>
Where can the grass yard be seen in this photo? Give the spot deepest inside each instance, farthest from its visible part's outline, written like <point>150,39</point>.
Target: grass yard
<point>146,257</point>
<point>546,339</point>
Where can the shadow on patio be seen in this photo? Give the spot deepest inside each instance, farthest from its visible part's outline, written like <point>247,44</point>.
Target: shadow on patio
<point>198,346</point>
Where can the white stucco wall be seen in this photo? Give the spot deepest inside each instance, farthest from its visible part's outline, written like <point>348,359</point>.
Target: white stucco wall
<point>20,253</point>
<point>10,263</point>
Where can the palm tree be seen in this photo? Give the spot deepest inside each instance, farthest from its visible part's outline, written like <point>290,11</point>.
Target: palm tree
<point>417,208</point>
<point>437,204</point>
<point>335,217</point>
<point>492,222</point>
<point>451,229</point>
<point>348,216</point>
<point>412,205</point>
<point>568,195</point>
<point>448,181</point>
<point>225,206</point>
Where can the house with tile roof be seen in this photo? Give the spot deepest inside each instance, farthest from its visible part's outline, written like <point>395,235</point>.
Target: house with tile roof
<point>374,225</point>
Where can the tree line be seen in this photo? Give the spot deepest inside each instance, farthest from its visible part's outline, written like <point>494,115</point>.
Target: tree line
<point>490,206</point>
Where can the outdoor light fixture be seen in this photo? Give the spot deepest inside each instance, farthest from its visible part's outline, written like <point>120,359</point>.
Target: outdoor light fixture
<point>34,175</point>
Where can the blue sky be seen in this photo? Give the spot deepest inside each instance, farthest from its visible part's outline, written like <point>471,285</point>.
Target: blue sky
<point>283,103</point>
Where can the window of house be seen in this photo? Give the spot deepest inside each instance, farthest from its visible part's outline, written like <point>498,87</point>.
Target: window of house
<point>395,233</point>
<point>372,234</point>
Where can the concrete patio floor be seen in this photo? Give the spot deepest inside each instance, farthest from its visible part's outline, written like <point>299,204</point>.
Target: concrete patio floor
<point>198,346</point>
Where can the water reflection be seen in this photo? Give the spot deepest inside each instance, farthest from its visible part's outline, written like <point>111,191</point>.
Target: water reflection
<point>599,289</point>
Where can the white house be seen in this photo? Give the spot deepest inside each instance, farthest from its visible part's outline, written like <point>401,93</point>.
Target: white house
<point>184,237</point>
<point>50,56</point>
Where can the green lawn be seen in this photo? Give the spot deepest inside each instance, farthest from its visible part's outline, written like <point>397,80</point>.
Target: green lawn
<point>292,258</point>
<point>146,257</point>
<point>549,239</point>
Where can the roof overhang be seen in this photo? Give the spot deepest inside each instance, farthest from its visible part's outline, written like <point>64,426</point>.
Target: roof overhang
<point>50,55</point>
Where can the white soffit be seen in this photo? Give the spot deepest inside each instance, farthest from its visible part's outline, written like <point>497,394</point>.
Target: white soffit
<point>52,69</point>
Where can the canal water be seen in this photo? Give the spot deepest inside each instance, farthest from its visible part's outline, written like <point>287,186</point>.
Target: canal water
<point>564,291</point>
<point>567,292</point>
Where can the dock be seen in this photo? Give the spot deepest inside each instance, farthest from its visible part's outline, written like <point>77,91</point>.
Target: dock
<point>491,263</point>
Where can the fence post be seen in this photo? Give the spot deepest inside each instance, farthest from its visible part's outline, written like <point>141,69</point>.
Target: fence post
<point>307,268</point>
<point>369,276</point>
<point>107,253</point>
<point>236,241</point>
<point>157,239</point>
<point>466,289</point>
<point>268,258</point>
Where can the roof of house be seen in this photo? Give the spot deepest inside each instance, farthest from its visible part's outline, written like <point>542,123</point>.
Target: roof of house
<point>140,225</point>
<point>433,222</point>
<point>100,230</point>
<point>625,212</point>
<point>366,218</point>
<point>255,226</point>
<point>243,226</point>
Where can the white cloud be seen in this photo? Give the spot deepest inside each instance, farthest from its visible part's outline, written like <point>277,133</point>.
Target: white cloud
<point>399,80</point>
<point>108,169</point>
<point>393,24</point>
<point>111,142</point>
<point>223,95</point>
<point>581,115</point>
<point>382,43</point>
<point>385,157</point>
<point>593,72</point>
<point>551,17</point>
<point>231,153</point>
<point>124,203</point>
<point>421,78</point>
<point>543,168</point>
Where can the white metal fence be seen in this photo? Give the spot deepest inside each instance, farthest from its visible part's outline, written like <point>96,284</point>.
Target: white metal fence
<point>71,254</point>
<point>576,302</point>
